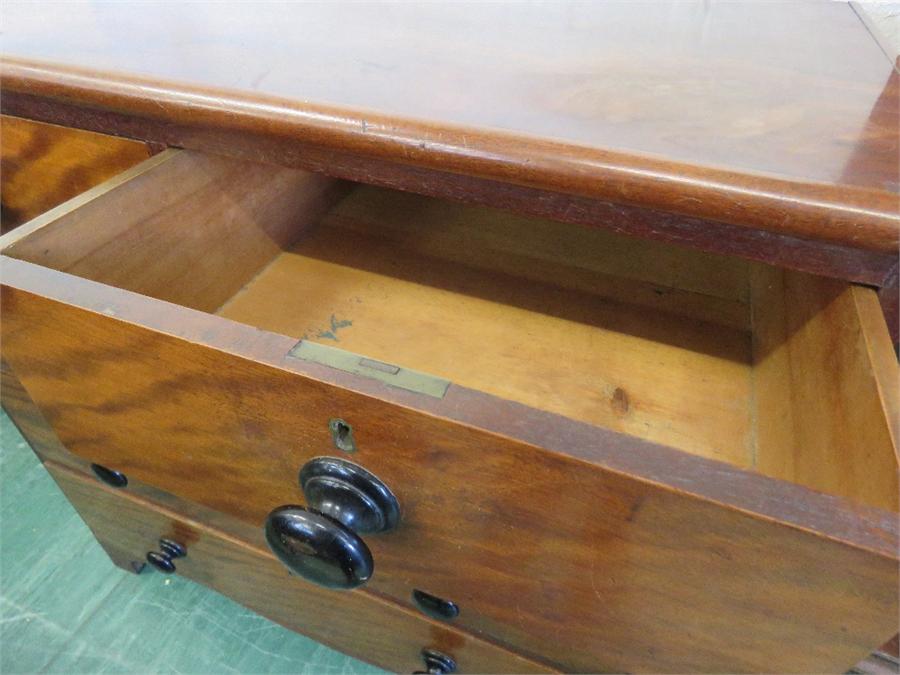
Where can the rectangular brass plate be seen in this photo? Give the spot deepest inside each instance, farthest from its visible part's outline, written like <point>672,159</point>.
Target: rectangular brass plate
<point>392,375</point>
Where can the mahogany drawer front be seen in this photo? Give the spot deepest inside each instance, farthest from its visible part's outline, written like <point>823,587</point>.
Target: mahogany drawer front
<point>635,530</point>
<point>370,629</point>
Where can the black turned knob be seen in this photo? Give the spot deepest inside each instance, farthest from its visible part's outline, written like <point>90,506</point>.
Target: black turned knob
<point>172,548</point>
<point>162,560</point>
<point>115,479</point>
<point>318,548</point>
<point>437,663</point>
<point>435,607</point>
<point>321,542</point>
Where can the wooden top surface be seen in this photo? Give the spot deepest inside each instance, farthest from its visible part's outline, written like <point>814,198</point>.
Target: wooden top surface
<point>778,116</point>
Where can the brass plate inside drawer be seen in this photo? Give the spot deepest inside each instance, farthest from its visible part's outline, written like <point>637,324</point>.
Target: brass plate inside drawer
<point>394,376</point>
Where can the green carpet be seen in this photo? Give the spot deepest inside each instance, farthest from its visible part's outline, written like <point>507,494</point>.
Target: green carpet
<point>65,608</point>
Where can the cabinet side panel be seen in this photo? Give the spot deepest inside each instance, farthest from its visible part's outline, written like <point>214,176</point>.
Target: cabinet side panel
<point>45,165</point>
<point>28,418</point>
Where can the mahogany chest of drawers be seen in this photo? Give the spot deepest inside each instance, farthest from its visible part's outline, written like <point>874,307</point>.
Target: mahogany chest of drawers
<point>448,397</point>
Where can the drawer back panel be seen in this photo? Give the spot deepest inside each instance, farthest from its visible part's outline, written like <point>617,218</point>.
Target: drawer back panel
<point>44,165</point>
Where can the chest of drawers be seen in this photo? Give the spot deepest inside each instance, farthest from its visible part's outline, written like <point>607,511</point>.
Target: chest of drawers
<point>607,425</point>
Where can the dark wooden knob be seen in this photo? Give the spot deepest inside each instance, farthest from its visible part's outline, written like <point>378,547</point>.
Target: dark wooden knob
<point>320,542</point>
<point>115,479</point>
<point>318,548</point>
<point>168,551</point>
<point>436,663</point>
<point>161,562</point>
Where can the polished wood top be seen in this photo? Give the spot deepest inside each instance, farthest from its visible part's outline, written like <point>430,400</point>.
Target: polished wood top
<point>777,116</point>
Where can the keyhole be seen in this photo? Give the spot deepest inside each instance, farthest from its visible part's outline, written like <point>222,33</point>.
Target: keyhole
<point>342,435</point>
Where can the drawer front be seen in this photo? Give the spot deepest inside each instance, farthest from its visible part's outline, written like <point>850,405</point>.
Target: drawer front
<point>370,629</point>
<point>549,552</point>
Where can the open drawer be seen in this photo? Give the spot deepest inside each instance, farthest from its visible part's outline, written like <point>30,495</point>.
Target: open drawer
<point>611,454</point>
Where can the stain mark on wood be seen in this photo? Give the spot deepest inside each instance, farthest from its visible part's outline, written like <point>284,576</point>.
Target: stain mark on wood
<point>336,325</point>
<point>620,401</point>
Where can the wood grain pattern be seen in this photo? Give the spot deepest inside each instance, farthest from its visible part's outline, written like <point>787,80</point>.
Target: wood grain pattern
<point>625,270</point>
<point>829,259</point>
<point>889,297</point>
<point>435,268</point>
<point>602,100</point>
<point>369,628</point>
<point>187,228</point>
<point>33,426</point>
<point>227,423</point>
<point>79,237</point>
<point>790,157</point>
<point>230,526</point>
<point>212,224</point>
<point>652,374</point>
<point>28,419</point>
<point>44,165</point>
<point>825,381</point>
<point>770,572</point>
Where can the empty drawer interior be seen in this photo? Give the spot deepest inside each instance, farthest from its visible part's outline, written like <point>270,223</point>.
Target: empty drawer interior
<point>765,369</point>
